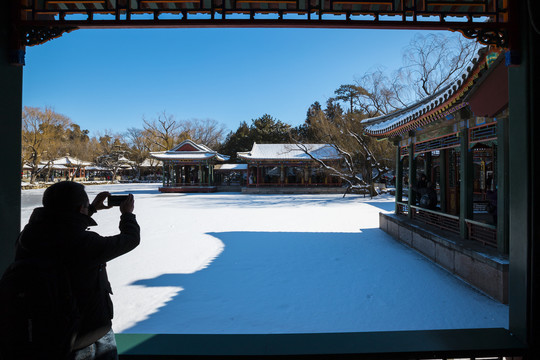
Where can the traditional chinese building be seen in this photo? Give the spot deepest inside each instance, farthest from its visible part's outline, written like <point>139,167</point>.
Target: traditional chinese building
<point>189,167</point>
<point>457,138</point>
<point>66,167</point>
<point>290,165</point>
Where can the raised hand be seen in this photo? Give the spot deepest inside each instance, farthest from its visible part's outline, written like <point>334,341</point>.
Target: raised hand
<point>127,205</point>
<point>98,202</point>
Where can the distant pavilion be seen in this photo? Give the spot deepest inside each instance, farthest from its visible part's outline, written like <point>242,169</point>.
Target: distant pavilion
<point>288,165</point>
<point>189,167</point>
<point>66,167</point>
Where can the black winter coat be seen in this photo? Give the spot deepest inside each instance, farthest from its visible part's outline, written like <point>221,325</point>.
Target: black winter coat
<point>85,253</point>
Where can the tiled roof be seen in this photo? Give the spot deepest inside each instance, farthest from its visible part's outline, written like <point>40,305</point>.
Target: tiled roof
<point>231,167</point>
<point>429,109</point>
<point>67,161</point>
<point>290,152</point>
<point>201,152</point>
<point>184,155</point>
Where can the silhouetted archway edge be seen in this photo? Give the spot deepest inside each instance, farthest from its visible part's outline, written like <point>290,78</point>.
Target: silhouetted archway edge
<point>22,24</point>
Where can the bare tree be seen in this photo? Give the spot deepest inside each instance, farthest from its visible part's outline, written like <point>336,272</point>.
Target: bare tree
<point>431,61</point>
<point>163,132</point>
<point>42,135</point>
<point>359,157</point>
<point>381,94</point>
<point>208,131</point>
<point>138,149</point>
<point>112,151</point>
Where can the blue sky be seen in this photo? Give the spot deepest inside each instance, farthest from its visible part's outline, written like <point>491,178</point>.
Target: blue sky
<point>112,79</point>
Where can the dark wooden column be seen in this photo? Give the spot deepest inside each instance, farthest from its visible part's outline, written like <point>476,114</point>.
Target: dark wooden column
<point>502,185</point>
<point>399,177</point>
<point>523,175</point>
<point>443,178</point>
<point>10,144</point>
<point>163,177</point>
<point>465,182</point>
<point>428,165</point>
<point>412,179</point>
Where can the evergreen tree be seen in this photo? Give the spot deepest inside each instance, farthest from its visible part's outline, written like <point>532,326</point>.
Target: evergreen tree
<point>238,141</point>
<point>333,110</point>
<point>350,94</point>
<point>267,130</point>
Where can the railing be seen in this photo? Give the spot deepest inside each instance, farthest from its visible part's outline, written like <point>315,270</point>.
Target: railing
<point>484,233</point>
<point>477,231</point>
<point>185,184</point>
<point>436,218</point>
<point>402,208</point>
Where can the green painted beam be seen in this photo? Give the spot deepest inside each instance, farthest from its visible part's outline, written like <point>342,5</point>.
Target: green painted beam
<point>10,147</point>
<point>384,344</point>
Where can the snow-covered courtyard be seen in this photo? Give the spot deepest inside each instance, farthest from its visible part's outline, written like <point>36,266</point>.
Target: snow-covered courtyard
<point>235,263</point>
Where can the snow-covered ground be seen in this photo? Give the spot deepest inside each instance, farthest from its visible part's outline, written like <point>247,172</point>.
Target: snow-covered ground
<point>235,263</point>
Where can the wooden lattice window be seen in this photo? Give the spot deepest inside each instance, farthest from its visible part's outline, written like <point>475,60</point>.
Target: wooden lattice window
<point>483,133</point>
<point>443,142</point>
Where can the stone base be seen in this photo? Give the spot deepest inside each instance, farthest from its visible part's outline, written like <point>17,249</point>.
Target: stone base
<point>188,189</point>
<point>292,190</point>
<point>480,266</point>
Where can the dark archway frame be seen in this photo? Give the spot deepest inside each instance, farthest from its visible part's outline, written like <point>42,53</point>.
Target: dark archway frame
<point>512,26</point>
<point>38,21</point>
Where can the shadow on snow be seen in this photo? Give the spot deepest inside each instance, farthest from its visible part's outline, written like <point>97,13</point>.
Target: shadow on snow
<point>290,282</point>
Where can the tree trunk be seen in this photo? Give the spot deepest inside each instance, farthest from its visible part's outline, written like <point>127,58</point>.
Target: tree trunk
<point>75,173</point>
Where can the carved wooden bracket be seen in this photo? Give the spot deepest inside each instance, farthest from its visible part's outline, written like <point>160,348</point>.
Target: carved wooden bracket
<point>497,37</point>
<point>37,35</point>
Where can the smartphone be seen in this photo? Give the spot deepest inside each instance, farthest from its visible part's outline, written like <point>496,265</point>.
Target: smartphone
<point>116,200</point>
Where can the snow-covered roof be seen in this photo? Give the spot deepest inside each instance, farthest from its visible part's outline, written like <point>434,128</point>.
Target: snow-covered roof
<point>150,163</point>
<point>125,160</point>
<point>430,108</point>
<point>239,167</point>
<point>290,152</point>
<point>97,168</point>
<point>53,166</point>
<point>67,161</point>
<point>168,155</point>
<point>188,150</point>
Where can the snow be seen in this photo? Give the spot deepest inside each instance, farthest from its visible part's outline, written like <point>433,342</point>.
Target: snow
<point>290,152</point>
<point>228,263</point>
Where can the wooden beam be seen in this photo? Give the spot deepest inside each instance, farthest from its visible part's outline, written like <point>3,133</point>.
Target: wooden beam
<point>265,2</point>
<point>75,1</point>
<point>168,1</point>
